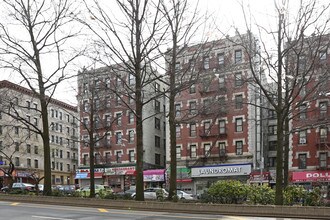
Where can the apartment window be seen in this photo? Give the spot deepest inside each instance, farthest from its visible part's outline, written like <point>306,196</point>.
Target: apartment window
<point>118,118</point>
<point>68,168</point>
<point>323,109</point>
<point>207,148</point>
<point>178,131</point>
<point>239,147</point>
<point>272,145</point>
<point>222,82</point>
<point>193,108</point>
<point>178,152</point>
<point>302,161</point>
<point>157,123</point>
<point>61,153</point>
<point>107,157</point>
<point>192,89</point>
<point>191,65</point>
<point>17,161</point>
<point>118,137</point>
<point>85,88</point>
<point>272,129</point>
<point>61,115</point>
<point>117,100</point>
<point>35,106</point>
<point>28,162</point>
<point>131,156</point>
<point>107,101</point>
<point>222,148</point>
<point>28,148</point>
<point>16,130</point>
<point>192,130</point>
<point>323,55</point>
<point>206,63</point>
<point>96,104</point>
<point>97,158</point>
<point>207,126</point>
<point>68,118</point>
<point>130,117</point>
<point>177,66</point>
<point>238,101</point>
<point>68,155</point>
<point>221,59</point>
<point>157,141</point>
<point>303,111</point>
<point>85,159</point>
<point>157,87</point>
<point>271,114</point>
<point>323,134</point>
<point>157,159</point>
<point>0,129</point>
<point>107,83</point>
<point>118,156</point>
<point>193,151</point>
<point>238,56</point>
<point>131,79</point>
<point>36,150</point>
<point>157,105</point>
<point>118,81</point>
<point>239,124</point>
<point>36,164</point>
<point>323,160</point>
<point>222,126</point>
<point>131,136</point>
<point>238,79</point>
<point>302,137</point>
<point>85,106</point>
<point>272,161</point>
<point>16,146</point>
<point>28,105</point>
<point>177,110</point>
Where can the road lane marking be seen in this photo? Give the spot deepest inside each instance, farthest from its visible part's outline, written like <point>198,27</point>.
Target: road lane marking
<point>15,203</point>
<point>49,217</point>
<point>102,210</point>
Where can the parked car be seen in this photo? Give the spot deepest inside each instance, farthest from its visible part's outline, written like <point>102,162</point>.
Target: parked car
<point>150,193</point>
<point>67,189</point>
<point>19,187</point>
<point>183,195</point>
<point>128,192</point>
<point>99,189</point>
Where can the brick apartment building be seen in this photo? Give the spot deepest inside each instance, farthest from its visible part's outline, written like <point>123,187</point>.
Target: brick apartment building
<point>218,134</point>
<point>310,155</point>
<point>26,147</point>
<point>111,93</point>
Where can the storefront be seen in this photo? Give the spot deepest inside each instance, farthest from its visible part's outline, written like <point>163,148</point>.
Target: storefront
<point>183,179</point>
<point>259,178</point>
<point>203,177</point>
<point>83,176</point>
<point>120,178</point>
<point>311,179</point>
<point>154,178</point>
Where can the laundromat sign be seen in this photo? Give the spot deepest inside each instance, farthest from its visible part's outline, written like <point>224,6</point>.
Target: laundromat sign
<point>224,170</point>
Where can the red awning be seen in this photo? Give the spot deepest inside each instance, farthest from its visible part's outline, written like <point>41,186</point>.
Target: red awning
<point>96,175</point>
<point>311,176</point>
<point>184,180</point>
<point>130,172</point>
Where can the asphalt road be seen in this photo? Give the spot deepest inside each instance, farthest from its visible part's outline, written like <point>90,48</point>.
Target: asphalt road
<point>27,211</point>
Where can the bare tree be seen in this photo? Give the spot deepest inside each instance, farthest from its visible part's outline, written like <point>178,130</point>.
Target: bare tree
<point>130,41</point>
<point>291,66</point>
<point>37,31</point>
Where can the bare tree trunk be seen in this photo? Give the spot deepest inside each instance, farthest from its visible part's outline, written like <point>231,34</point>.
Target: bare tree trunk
<point>286,153</point>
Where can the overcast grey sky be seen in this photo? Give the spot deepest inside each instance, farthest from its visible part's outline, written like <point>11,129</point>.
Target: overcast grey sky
<point>226,14</point>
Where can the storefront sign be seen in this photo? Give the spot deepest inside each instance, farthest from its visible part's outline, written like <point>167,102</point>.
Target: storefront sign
<point>120,171</point>
<point>154,175</point>
<point>311,176</point>
<point>222,170</point>
<point>256,177</point>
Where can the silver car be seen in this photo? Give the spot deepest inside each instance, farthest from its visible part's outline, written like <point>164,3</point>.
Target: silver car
<point>150,193</point>
<point>183,195</point>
